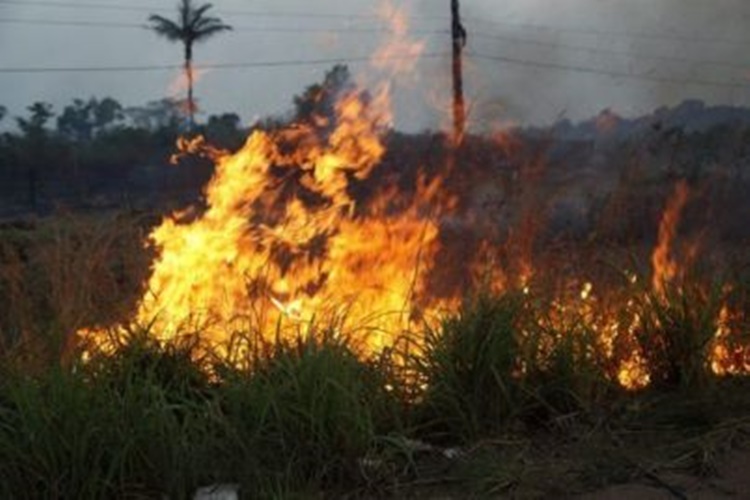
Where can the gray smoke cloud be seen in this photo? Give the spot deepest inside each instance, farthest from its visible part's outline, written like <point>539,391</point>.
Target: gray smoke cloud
<point>587,34</point>
<point>583,56</point>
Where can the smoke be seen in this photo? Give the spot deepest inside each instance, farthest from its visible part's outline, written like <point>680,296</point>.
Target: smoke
<point>495,90</point>
<point>575,58</point>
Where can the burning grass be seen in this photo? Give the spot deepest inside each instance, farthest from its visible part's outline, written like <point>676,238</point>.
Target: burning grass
<point>310,415</point>
<point>322,353</point>
<point>380,388</point>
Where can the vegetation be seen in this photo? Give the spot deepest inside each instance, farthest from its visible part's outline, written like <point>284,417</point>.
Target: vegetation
<point>477,410</point>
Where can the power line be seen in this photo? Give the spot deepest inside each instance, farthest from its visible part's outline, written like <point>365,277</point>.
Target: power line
<point>613,52</point>
<point>248,29</point>
<point>609,73</point>
<point>77,5</point>
<point>254,13</point>
<point>208,66</point>
<point>87,24</point>
<point>355,30</point>
<point>671,37</point>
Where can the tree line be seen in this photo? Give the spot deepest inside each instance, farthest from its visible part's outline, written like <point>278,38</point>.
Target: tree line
<point>96,151</point>
<point>96,147</point>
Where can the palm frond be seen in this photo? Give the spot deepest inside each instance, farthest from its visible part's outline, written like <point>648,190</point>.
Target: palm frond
<point>191,26</point>
<point>208,27</point>
<point>198,13</point>
<point>166,27</point>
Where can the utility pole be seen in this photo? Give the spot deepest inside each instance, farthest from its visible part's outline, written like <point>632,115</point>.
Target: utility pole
<point>458,33</point>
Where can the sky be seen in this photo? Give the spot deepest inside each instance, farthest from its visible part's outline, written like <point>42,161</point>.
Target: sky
<point>527,61</point>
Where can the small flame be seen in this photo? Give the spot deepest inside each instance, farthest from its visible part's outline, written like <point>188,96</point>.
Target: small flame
<point>665,267</point>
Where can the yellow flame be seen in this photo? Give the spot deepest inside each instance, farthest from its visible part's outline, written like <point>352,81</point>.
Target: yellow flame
<point>665,267</point>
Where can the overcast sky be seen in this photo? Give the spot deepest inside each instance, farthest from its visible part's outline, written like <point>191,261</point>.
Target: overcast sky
<point>529,61</point>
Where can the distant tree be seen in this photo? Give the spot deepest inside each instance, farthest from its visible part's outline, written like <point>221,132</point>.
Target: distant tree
<point>225,130</point>
<point>319,100</point>
<point>83,120</point>
<point>156,115</point>
<point>5,154</point>
<point>74,122</point>
<point>32,149</point>
<point>34,126</point>
<point>192,25</point>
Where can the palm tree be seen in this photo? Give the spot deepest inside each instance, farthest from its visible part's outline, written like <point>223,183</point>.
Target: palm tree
<point>192,25</point>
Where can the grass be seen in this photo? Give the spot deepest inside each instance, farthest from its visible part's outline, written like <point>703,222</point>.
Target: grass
<point>503,398</point>
<point>309,418</point>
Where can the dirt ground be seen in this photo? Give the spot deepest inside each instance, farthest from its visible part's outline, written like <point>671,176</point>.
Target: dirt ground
<point>731,480</point>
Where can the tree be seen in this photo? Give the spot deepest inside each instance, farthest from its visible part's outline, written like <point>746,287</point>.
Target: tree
<point>34,127</point>
<point>83,120</point>
<point>156,115</point>
<point>35,144</point>
<point>319,99</point>
<point>225,131</point>
<point>191,26</point>
<point>3,111</point>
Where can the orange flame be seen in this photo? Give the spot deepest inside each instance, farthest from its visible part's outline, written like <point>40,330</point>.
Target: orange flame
<point>665,267</point>
<point>281,229</point>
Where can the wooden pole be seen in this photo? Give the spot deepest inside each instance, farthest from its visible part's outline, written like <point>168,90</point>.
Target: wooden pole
<point>459,42</point>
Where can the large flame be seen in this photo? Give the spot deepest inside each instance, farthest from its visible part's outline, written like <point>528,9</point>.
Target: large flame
<point>281,228</point>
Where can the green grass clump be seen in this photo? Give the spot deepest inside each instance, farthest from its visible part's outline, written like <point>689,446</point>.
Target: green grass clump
<point>306,415</point>
<point>677,333</point>
<point>134,425</point>
<point>566,372</point>
<point>471,366</point>
<point>500,362</point>
<point>162,420</point>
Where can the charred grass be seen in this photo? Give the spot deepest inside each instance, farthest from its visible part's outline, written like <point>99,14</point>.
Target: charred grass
<point>503,398</point>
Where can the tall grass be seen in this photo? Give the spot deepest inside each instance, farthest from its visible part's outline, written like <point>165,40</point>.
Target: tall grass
<point>66,274</point>
<point>309,413</point>
<point>500,362</point>
<point>152,420</point>
<point>470,367</point>
<point>677,333</point>
<point>310,416</point>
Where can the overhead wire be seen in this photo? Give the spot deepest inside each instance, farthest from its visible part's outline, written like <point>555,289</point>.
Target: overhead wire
<point>237,28</point>
<point>639,55</point>
<point>209,66</point>
<point>664,36</point>
<point>237,12</point>
<point>365,59</point>
<point>608,73</point>
<point>613,33</point>
<point>613,52</point>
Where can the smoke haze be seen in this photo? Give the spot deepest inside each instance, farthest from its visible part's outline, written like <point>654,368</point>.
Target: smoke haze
<point>528,61</point>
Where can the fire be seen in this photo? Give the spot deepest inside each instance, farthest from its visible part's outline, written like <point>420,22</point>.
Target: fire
<point>179,86</point>
<point>283,243</point>
<point>727,358</point>
<point>665,267</point>
<point>282,237</point>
